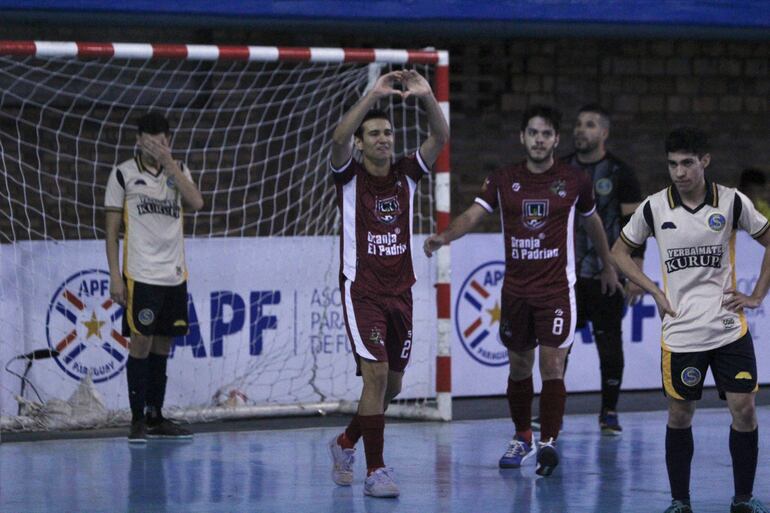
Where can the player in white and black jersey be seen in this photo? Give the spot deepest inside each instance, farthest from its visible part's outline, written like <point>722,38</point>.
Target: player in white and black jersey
<point>147,194</point>
<point>694,223</point>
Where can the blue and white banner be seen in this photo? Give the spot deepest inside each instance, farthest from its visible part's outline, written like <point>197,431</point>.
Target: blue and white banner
<point>265,314</point>
<point>480,362</point>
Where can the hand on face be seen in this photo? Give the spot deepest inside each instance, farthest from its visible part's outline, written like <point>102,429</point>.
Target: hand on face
<point>156,147</point>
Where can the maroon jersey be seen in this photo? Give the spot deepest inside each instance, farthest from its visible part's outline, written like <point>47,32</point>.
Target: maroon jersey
<point>538,215</point>
<point>376,212</point>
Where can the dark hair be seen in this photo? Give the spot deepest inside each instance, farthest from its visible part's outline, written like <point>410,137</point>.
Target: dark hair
<point>153,123</point>
<point>751,177</point>
<point>687,139</point>
<point>372,114</point>
<point>550,114</point>
<point>595,108</point>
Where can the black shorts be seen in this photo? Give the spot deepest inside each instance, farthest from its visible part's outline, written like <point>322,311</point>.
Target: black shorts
<point>155,309</point>
<point>604,312</point>
<point>734,367</point>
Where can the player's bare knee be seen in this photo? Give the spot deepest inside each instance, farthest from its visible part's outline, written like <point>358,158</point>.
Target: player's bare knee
<point>161,345</point>
<point>139,346</point>
<point>743,411</point>
<point>520,364</point>
<point>680,413</point>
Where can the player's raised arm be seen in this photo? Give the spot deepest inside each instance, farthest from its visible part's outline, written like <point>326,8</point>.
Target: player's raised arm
<point>461,225</point>
<point>157,147</point>
<point>416,85</point>
<point>342,138</point>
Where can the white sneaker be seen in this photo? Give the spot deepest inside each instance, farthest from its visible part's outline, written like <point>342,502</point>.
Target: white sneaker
<point>342,463</point>
<point>381,484</point>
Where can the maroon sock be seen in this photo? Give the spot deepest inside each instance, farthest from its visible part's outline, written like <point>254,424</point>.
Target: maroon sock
<point>520,394</point>
<point>552,401</point>
<point>373,431</point>
<point>349,438</point>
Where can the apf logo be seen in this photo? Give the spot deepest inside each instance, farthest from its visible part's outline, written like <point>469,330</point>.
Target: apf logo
<point>83,325</point>
<point>477,314</point>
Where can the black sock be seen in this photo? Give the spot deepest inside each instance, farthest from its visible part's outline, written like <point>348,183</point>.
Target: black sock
<point>156,390</point>
<point>136,377</point>
<point>610,393</point>
<point>744,447</point>
<point>679,451</point>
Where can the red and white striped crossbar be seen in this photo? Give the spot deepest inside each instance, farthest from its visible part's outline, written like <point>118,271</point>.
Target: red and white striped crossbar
<point>216,52</point>
<point>440,58</point>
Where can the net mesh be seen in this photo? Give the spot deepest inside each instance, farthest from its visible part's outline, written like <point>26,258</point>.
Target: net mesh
<point>256,136</point>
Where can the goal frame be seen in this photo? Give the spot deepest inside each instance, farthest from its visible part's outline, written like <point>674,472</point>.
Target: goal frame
<point>442,409</point>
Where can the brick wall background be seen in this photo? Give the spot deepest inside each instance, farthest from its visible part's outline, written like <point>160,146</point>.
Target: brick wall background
<point>650,86</point>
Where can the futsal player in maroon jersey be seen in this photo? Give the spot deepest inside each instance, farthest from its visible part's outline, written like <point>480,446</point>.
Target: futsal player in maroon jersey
<point>538,200</point>
<point>375,196</point>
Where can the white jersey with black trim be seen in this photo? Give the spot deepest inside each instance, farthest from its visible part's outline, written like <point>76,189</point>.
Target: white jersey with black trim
<point>153,245</point>
<point>697,254</point>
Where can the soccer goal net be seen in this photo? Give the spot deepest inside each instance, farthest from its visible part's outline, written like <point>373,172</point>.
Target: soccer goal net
<point>254,126</point>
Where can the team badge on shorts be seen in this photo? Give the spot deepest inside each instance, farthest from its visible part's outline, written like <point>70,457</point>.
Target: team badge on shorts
<point>387,209</point>
<point>534,213</point>
<point>146,316</point>
<point>477,314</point>
<point>603,186</point>
<point>83,325</point>
<point>716,222</point>
<point>691,376</point>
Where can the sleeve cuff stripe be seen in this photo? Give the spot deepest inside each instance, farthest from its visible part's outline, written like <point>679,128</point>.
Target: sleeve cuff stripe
<point>628,241</point>
<point>341,168</point>
<point>589,213</point>
<point>486,206</point>
<point>762,231</point>
<point>423,166</point>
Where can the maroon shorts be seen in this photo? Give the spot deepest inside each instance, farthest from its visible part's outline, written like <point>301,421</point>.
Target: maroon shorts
<point>546,321</point>
<point>379,328</point>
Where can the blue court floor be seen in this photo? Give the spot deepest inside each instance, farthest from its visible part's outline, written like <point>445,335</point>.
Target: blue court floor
<point>446,468</point>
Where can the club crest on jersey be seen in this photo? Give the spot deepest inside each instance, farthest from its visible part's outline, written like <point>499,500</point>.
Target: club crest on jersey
<point>83,325</point>
<point>559,187</point>
<point>534,213</point>
<point>716,222</point>
<point>387,209</point>
<point>478,320</point>
<point>603,186</point>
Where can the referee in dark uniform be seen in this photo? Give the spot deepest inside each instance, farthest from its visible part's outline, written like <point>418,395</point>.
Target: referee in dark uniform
<point>617,196</point>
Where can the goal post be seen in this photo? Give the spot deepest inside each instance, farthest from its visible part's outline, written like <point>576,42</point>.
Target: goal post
<point>254,125</point>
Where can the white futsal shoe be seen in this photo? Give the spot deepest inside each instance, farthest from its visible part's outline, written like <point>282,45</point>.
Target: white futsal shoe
<point>342,463</point>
